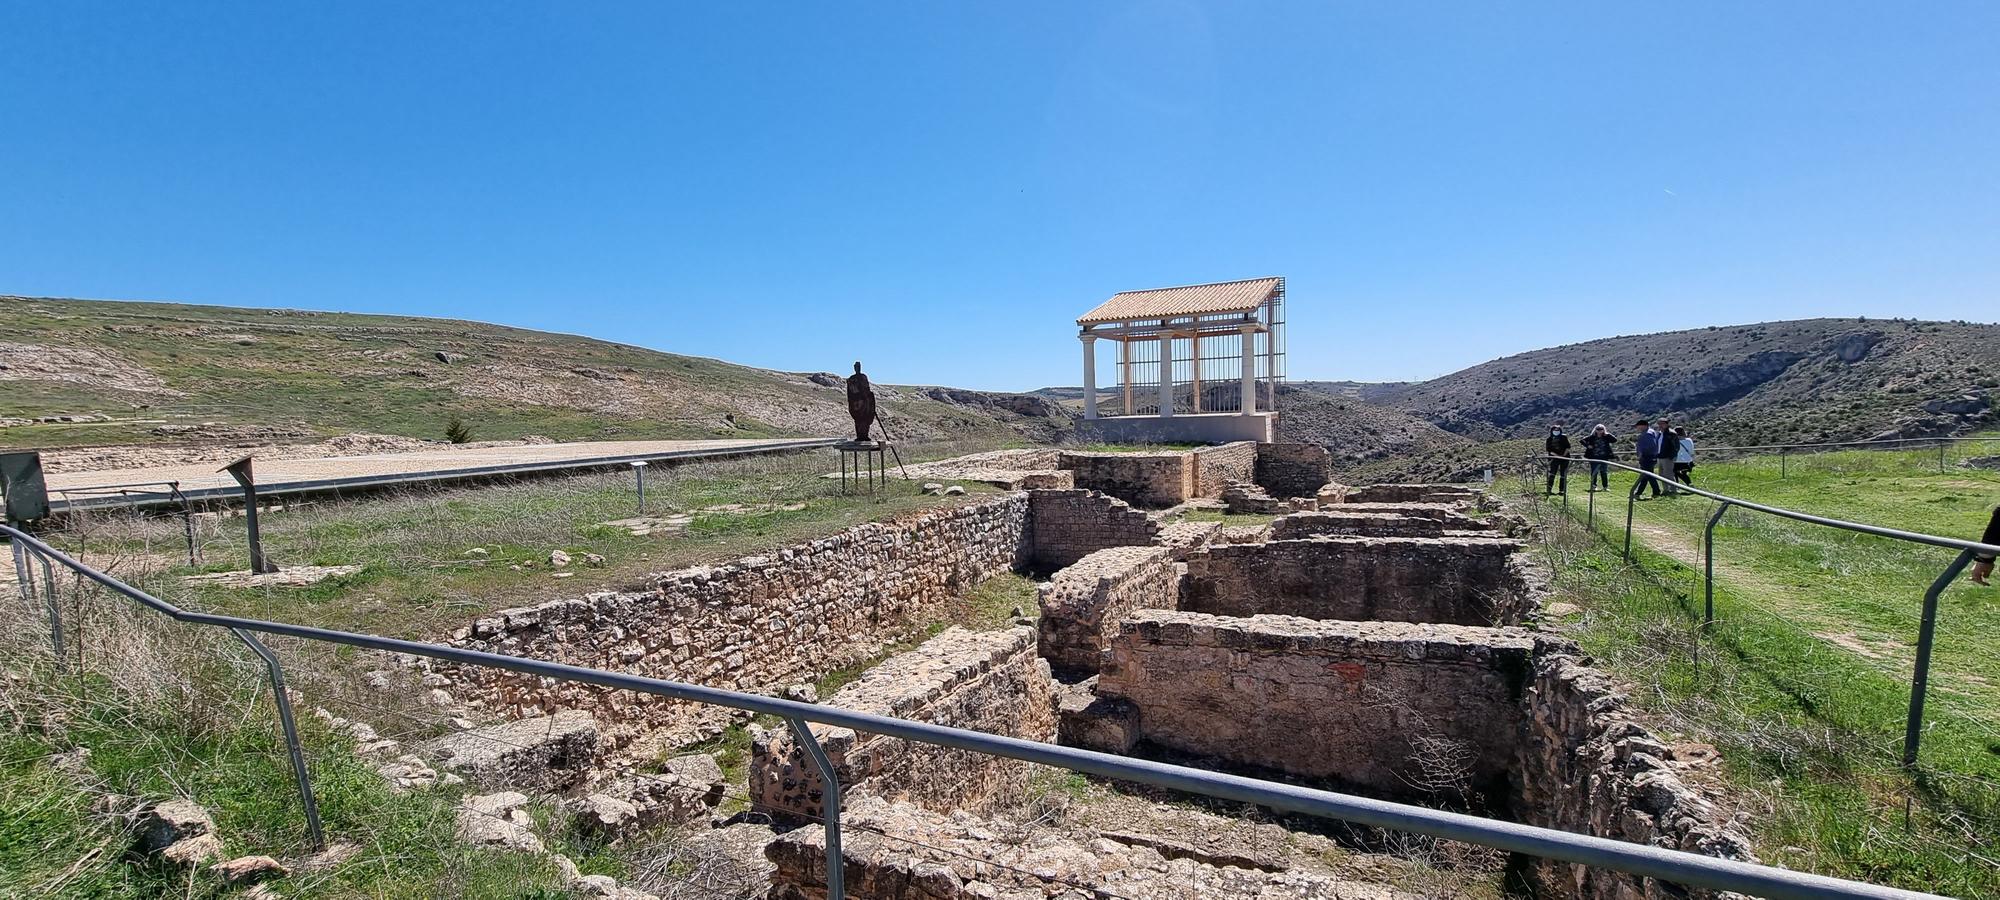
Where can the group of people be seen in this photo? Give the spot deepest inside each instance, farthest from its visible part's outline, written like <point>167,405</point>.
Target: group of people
<point>1666,453</point>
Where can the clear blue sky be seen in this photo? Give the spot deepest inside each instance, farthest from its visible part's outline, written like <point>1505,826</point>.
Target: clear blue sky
<point>941,188</point>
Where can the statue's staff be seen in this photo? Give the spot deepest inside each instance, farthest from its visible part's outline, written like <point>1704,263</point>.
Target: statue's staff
<point>884,424</point>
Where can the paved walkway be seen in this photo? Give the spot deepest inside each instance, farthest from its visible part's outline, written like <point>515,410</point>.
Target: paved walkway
<point>279,472</point>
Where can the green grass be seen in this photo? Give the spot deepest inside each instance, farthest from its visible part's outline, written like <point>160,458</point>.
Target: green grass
<point>209,735</point>
<point>1803,682</point>
<point>422,576</point>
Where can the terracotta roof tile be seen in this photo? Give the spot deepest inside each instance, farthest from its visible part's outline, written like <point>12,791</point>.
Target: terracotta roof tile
<point>1189,300</point>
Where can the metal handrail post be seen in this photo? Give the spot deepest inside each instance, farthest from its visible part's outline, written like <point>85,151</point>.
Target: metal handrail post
<point>836,864</point>
<point>291,729</point>
<point>49,601</point>
<point>1590,518</point>
<point>1631,503</point>
<point>1921,675</point>
<point>1708,565</point>
<point>187,518</point>
<point>1781,464</point>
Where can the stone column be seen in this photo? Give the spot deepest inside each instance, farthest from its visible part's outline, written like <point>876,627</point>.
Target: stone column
<point>1166,375</point>
<point>1249,370</point>
<point>1090,376</point>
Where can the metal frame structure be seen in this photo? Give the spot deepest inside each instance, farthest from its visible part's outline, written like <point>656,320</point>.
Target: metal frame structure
<point>1927,629</point>
<point>1202,355</point>
<point>1638,859</point>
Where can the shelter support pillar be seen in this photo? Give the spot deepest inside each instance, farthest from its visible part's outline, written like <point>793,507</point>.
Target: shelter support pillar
<point>1249,370</point>
<point>1166,375</point>
<point>1090,376</point>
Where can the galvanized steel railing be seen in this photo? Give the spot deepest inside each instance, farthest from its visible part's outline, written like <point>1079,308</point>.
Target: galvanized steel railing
<point>1637,859</point>
<point>1927,630</point>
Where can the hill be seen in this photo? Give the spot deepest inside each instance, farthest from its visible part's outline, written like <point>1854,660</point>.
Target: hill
<point>124,372</point>
<point>1805,380</point>
<point>1359,433</point>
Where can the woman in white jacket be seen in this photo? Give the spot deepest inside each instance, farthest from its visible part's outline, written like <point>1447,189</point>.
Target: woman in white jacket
<point>1684,457</point>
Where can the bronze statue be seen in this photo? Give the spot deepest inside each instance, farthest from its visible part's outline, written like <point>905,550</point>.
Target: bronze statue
<point>860,403</point>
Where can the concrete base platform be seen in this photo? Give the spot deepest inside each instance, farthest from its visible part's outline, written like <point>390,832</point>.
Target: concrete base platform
<point>1194,428</point>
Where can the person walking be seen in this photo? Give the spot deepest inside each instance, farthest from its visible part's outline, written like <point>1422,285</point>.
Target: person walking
<point>1683,456</point>
<point>1557,445</point>
<point>1669,448</point>
<point>1649,443</point>
<point>1982,565</point>
<point>1597,448</point>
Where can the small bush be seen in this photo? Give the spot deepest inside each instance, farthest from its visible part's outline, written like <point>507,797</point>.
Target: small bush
<point>456,431</point>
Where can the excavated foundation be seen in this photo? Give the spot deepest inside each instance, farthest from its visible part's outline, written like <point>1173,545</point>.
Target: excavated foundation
<point>1383,647</point>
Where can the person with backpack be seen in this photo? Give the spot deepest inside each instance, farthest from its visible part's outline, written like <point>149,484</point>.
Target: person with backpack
<point>1597,448</point>
<point>1557,445</point>
<point>1683,456</point>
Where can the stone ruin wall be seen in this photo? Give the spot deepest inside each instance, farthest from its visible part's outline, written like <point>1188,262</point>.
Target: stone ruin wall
<point>1375,522</point>
<point>1460,581</point>
<point>1292,470</point>
<point>1350,703</point>
<point>1083,604</point>
<point>1587,765</point>
<point>1070,525</point>
<point>1157,480</point>
<point>754,624</point>
<point>1215,467</point>
<point>989,681</point>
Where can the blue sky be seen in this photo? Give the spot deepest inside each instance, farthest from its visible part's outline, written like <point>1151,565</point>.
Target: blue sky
<point>941,188</point>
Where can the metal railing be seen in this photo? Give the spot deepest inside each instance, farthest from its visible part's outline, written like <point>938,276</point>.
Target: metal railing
<point>1927,629</point>
<point>1637,859</point>
<point>1784,452</point>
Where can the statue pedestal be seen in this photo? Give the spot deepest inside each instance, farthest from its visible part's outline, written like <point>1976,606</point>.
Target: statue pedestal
<point>863,464</point>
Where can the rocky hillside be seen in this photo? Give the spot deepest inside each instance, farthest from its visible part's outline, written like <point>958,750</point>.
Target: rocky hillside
<point>1807,380</point>
<point>1354,431</point>
<point>84,373</point>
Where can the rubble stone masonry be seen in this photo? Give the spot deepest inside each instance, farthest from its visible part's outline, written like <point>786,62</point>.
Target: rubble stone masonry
<point>1399,710</point>
<point>1081,606</point>
<point>1156,480</point>
<point>1070,525</point>
<point>1459,581</point>
<point>753,624</point>
<point>1215,467</point>
<point>1586,765</point>
<point>1293,470</point>
<point>990,681</point>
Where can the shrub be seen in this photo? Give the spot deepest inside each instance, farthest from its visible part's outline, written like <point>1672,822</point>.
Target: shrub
<point>456,431</point>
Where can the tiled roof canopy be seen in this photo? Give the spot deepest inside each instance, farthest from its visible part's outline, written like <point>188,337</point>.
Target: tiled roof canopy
<point>1190,300</point>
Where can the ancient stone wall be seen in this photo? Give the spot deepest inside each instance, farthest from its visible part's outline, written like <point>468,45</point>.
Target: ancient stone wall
<point>1371,521</point>
<point>1399,710</point>
<point>1142,479</point>
<point>1459,581</point>
<point>1081,606</point>
<point>894,851</point>
<point>1216,467</point>
<point>1586,765</point>
<point>753,624</point>
<point>990,681</point>
<point>1415,493</point>
<point>1292,470</point>
<point>1070,525</point>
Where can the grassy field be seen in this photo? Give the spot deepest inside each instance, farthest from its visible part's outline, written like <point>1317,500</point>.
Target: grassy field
<point>432,560</point>
<point>1803,681</point>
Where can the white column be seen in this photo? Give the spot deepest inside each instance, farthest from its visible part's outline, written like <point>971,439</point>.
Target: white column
<point>1249,370</point>
<point>1090,376</point>
<point>1125,373</point>
<point>1166,375</point>
<point>1195,345</point>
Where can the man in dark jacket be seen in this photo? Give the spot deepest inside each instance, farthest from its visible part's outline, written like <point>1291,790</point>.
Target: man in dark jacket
<point>1597,448</point>
<point>1982,565</point>
<point>1649,457</point>
<point>1557,445</point>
